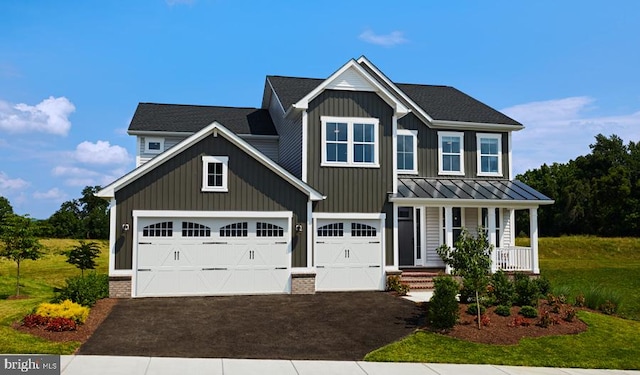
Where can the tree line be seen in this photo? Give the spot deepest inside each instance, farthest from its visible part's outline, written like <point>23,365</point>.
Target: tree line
<point>595,194</point>
<point>86,217</point>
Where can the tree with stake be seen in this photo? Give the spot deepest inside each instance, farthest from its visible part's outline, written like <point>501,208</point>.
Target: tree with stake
<point>471,259</point>
<point>83,256</point>
<point>19,242</point>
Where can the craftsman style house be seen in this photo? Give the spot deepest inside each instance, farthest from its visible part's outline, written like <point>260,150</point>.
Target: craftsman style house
<point>331,185</point>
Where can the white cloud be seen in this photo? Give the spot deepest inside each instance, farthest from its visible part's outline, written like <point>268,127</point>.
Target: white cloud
<point>75,176</point>
<point>48,116</point>
<point>11,184</point>
<point>561,130</point>
<point>53,194</point>
<point>101,153</point>
<point>389,40</point>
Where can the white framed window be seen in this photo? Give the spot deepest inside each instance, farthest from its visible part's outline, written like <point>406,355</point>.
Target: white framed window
<point>349,142</point>
<point>457,223</point>
<point>407,151</point>
<point>451,153</point>
<point>153,145</point>
<point>484,222</point>
<point>214,173</point>
<point>489,154</point>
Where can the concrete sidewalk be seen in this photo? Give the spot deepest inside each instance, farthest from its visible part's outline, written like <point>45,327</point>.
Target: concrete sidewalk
<point>97,365</point>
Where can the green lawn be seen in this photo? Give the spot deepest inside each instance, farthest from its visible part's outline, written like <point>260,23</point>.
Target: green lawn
<point>38,278</point>
<point>576,264</point>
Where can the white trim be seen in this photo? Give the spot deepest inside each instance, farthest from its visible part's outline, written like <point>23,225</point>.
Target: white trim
<point>463,125</point>
<point>109,191</point>
<point>394,150</point>
<point>112,242</point>
<point>510,176</point>
<point>302,271</point>
<point>387,96</point>
<point>350,122</point>
<point>305,145</point>
<point>414,134</point>
<point>431,202</point>
<point>349,215</point>
<point>310,235</point>
<point>158,133</point>
<point>396,243</point>
<point>459,135</point>
<point>479,138</point>
<point>206,160</point>
<point>211,214</point>
<point>149,140</point>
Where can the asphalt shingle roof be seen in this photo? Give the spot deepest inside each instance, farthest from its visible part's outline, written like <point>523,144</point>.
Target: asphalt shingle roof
<point>192,118</point>
<point>292,89</point>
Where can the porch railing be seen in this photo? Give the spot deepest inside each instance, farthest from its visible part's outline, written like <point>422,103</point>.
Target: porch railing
<point>513,258</point>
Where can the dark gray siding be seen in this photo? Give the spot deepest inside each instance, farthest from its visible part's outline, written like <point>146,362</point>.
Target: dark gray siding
<point>353,189</point>
<point>177,183</point>
<point>428,149</point>
<point>290,143</point>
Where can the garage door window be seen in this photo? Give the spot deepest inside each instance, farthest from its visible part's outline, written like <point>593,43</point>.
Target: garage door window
<point>331,230</point>
<point>163,229</point>
<point>362,230</point>
<point>190,229</point>
<point>268,230</point>
<point>234,230</point>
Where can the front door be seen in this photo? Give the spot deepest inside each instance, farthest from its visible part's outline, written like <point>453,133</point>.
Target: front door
<point>405,236</point>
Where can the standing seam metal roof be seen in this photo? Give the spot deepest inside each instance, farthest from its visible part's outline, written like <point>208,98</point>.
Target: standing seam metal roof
<point>432,188</point>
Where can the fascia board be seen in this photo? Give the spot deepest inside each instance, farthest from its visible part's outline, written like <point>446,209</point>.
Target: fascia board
<point>471,202</point>
<point>462,125</point>
<point>158,133</point>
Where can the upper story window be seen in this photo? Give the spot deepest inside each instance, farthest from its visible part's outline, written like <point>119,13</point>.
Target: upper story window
<point>407,151</point>
<point>214,173</point>
<point>153,145</point>
<point>489,151</point>
<point>349,142</point>
<point>451,153</point>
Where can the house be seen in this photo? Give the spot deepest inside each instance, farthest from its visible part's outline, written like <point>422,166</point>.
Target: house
<point>332,184</point>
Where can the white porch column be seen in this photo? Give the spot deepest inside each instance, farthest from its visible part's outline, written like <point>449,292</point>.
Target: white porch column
<point>491,218</point>
<point>448,231</point>
<point>533,228</point>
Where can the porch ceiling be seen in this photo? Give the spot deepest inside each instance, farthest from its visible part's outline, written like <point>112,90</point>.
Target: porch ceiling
<point>476,190</point>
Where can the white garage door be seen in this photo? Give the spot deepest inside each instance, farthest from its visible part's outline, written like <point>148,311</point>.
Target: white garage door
<point>212,256</point>
<point>348,255</point>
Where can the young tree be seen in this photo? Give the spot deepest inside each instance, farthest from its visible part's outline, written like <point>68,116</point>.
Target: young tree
<point>471,259</point>
<point>19,242</point>
<point>83,256</point>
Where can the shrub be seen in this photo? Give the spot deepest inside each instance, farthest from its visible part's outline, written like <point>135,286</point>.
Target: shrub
<point>503,310</point>
<point>543,285</point>
<point>527,293</point>
<point>61,324</point>
<point>570,314</point>
<point>520,321</point>
<point>34,320</point>
<point>394,284</point>
<point>598,298</point>
<point>443,307</point>
<point>484,320</point>
<point>529,312</point>
<point>502,288</point>
<point>85,291</point>
<point>547,319</point>
<point>467,295</point>
<point>580,300</point>
<point>473,309</point>
<point>608,307</point>
<point>66,309</point>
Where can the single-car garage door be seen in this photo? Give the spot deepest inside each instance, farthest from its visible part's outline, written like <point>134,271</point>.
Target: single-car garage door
<point>348,255</point>
<point>212,256</point>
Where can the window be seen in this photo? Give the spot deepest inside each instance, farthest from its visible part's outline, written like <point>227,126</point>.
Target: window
<point>163,229</point>
<point>235,230</point>
<point>153,145</point>
<point>485,223</point>
<point>349,142</point>
<point>456,223</point>
<point>268,230</point>
<point>407,151</point>
<point>489,150</point>
<point>450,153</point>
<point>214,173</point>
<point>331,230</point>
<point>190,229</point>
<point>362,230</point>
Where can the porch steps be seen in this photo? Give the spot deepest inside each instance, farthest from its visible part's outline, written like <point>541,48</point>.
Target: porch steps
<point>418,280</point>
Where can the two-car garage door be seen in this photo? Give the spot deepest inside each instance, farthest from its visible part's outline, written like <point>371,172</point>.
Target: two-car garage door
<point>212,256</point>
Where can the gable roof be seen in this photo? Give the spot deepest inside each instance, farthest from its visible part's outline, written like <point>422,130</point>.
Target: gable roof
<point>292,89</point>
<point>217,129</point>
<point>152,117</point>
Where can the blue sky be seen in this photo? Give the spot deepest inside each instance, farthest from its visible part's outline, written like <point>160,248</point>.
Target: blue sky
<point>72,73</point>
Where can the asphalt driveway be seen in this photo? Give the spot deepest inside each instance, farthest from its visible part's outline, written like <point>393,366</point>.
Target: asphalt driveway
<point>329,326</point>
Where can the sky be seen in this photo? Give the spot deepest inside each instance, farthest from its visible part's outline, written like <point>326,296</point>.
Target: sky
<point>72,73</point>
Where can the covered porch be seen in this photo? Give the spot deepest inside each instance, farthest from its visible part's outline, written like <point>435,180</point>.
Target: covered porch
<point>432,212</point>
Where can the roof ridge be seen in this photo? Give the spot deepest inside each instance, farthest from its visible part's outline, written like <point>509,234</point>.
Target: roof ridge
<point>279,76</point>
<point>199,105</point>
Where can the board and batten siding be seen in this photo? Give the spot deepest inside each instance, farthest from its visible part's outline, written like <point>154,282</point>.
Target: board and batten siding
<point>290,132</point>
<point>176,185</point>
<point>353,189</point>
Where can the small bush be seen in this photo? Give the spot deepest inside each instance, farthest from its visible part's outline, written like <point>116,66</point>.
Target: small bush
<point>84,290</point>
<point>473,309</point>
<point>443,307</point>
<point>61,324</point>
<point>484,320</point>
<point>66,309</point>
<point>520,321</point>
<point>547,320</point>
<point>467,295</point>
<point>608,307</point>
<point>580,300</point>
<point>526,290</point>
<point>598,298</point>
<point>570,315</point>
<point>529,312</point>
<point>502,288</point>
<point>34,320</point>
<point>394,284</point>
<point>503,310</point>
<point>543,285</point>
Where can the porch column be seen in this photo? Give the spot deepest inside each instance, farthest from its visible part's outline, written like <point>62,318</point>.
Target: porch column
<point>533,228</point>
<point>448,231</point>
<point>491,218</point>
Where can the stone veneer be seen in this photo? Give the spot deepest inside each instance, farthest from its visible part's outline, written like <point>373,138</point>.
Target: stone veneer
<point>119,286</point>
<point>303,283</point>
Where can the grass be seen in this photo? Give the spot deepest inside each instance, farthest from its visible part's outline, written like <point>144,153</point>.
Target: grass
<point>38,279</point>
<point>602,267</point>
